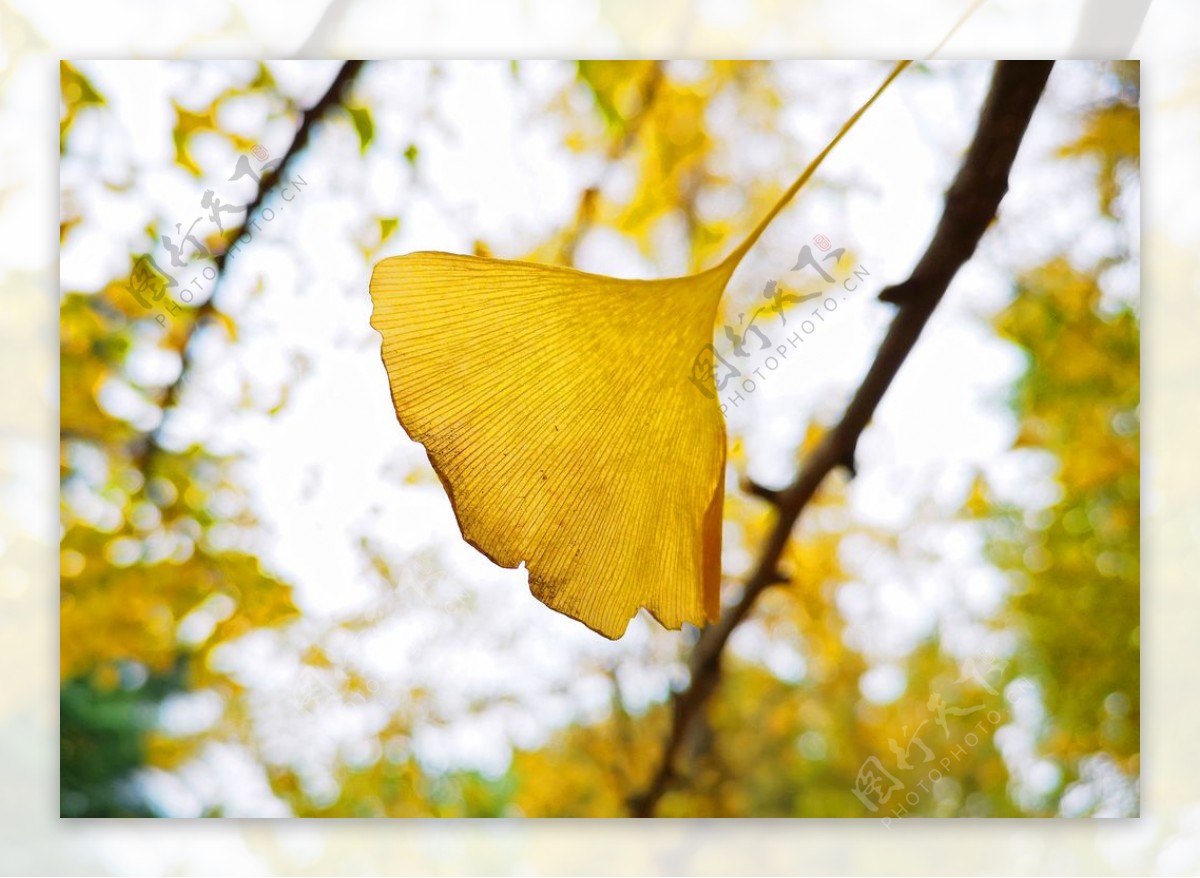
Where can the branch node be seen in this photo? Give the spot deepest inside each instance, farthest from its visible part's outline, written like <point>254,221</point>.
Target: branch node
<point>896,294</point>
<point>777,577</point>
<point>846,461</point>
<point>753,488</point>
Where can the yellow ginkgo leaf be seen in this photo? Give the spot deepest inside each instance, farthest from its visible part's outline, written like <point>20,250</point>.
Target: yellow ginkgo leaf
<point>556,408</point>
<point>561,411</point>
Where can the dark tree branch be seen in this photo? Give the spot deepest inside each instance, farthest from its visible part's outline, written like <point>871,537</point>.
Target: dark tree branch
<point>151,442</point>
<point>971,204</point>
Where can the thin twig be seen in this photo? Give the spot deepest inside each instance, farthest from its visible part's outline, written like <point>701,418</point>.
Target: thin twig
<point>151,442</point>
<point>971,205</point>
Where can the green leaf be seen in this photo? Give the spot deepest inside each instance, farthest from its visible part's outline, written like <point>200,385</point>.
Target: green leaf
<point>363,124</point>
